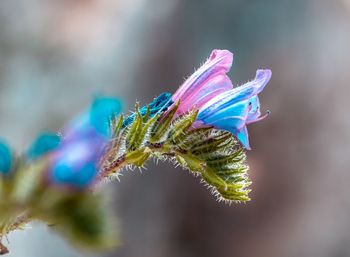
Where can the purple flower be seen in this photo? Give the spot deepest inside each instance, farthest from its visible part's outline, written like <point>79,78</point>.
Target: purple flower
<point>234,109</point>
<point>205,83</point>
<point>210,91</point>
<point>76,161</point>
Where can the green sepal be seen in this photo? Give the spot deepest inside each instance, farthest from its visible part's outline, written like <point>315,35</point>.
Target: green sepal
<point>227,190</point>
<point>132,137</point>
<point>222,160</point>
<point>116,126</point>
<point>141,138</point>
<point>180,127</point>
<point>214,154</point>
<point>163,125</point>
<point>192,137</point>
<point>147,115</point>
<point>83,219</point>
<point>191,162</point>
<point>211,144</point>
<point>138,157</point>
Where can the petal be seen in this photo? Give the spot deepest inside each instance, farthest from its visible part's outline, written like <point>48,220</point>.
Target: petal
<point>239,110</point>
<point>43,144</point>
<point>242,136</point>
<point>63,173</point>
<point>158,105</point>
<point>253,87</point>
<point>254,112</point>
<point>219,62</point>
<point>96,119</point>
<point>236,95</point>
<point>213,87</point>
<point>5,158</point>
<point>72,163</point>
<point>102,110</point>
<point>231,123</point>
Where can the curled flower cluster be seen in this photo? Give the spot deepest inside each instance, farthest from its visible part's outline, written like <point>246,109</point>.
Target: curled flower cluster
<point>202,127</point>
<point>74,156</point>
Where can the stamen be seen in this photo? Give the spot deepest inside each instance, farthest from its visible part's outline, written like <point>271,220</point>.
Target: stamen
<point>267,113</point>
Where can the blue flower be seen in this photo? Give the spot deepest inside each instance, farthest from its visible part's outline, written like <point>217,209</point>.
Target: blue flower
<point>6,158</point>
<point>101,113</point>
<point>76,161</point>
<point>158,105</point>
<point>44,143</point>
<point>97,119</point>
<point>232,110</point>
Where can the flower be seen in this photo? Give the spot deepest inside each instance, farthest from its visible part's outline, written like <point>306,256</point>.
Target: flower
<point>97,119</point>
<point>205,83</point>
<point>75,162</point>
<point>220,105</point>
<point>5,158</point>
<point>234,109</point>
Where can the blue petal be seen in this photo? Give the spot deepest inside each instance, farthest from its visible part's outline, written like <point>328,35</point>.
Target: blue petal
<point>236,95</point>
<point>229,123</point>
<point>254,112</point>
<point>43,144</point>
<point>5,158</point>
<point>102,110</point>
<point>158,105</point>
<point>242,136</point>
<point>65,173</point>
<point>75,163</point>
<point>237,110</point>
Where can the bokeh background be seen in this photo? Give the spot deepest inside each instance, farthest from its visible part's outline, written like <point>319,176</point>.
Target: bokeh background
<point>56,55</point>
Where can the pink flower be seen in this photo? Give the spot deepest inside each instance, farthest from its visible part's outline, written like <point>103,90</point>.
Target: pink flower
<point>221,105</point>
<point>207,82</point>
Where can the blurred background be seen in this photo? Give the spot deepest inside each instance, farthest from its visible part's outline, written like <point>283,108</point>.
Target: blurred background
<point>56,55</point>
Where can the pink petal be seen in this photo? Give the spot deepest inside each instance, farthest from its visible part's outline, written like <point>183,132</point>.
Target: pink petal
<point>205,83</point>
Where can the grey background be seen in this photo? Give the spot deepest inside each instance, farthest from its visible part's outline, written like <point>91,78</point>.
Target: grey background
<point>56,55</point>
